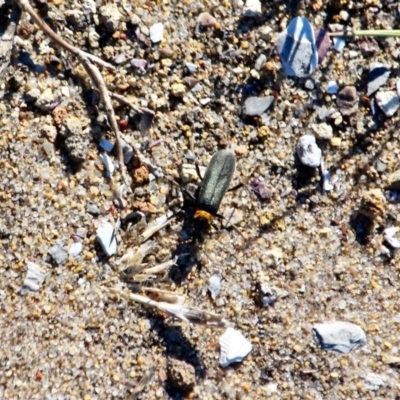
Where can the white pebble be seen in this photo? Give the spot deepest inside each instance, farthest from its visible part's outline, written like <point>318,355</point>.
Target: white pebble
<point>252,8</point>
<point>308,151</point>
<point>234,347</point>
<point>388,102</point>
<point>332,87</point>
<point>75,249</point>
<point>339,336</point>
<point>388,235</point>
<point>106,237</point>
<point>338,44</point>
<point>214,286</point>
<point>157,32</point>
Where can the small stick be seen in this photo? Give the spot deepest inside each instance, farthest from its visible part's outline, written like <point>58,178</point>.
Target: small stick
<point>367,32</point>
<point>7,39</point>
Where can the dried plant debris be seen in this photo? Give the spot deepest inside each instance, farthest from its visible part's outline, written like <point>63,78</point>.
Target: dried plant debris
<point>176,310</point>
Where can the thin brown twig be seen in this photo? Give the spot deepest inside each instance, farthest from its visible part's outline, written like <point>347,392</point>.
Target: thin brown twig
<point>87,60</point>
<point>25,6</point>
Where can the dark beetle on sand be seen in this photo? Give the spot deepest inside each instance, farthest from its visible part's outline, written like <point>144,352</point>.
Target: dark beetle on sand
<point>215,184</point>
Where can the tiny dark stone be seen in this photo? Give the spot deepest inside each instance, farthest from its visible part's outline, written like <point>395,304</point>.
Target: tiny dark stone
<point>347,100</point>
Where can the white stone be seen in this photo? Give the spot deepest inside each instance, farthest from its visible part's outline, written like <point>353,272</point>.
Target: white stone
<point>75,249</point>
<point>157,32</point>
<point>339,336</point>
<point>106,237</point>
<point>308,151</point>
<point>234,347</point>
<point>322,131</point>
<point>332,87</point>
<point>252,8</point>
<point>338,44</point>
<point>214,286</point>
<point>388,235</point>
<point>388,102</point>
<point>34,278</point>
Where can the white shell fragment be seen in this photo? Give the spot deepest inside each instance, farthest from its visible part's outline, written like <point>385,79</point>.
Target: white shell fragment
<point>214,286</point>
<point>110,167</point>
<point>388,235</point>
<point>297,49</point>
<point>308,151</point>
<point>339,336</point>
<point>106,237</point>
<point>34,278</point>
<point>234,347</point>
<point>157,32</point>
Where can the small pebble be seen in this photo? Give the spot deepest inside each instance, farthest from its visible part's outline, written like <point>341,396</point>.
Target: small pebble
<point>322,131</point>
<point>192,68</point>
<point>257,105</point>
<point>157,32</point>
<point>297,49</point>
<point>347,100</point>
<point>234,347</point>
<point>106,145</point>
<point>332,87</point>
<point>342,337</point>
<point>178,89</point>
<point>339,44</point>
<point>308,151</point>
<point>106,237</point>
<point>378,76</point>
<point>58,254</point>
<point>260,62</point>
<point>388,102</point>
<point>388,235</point>
<point>75,249</point>
<point>206,20</point>
<point>323,43</point>
<point>91,208</point>
<point>252,8</point>
<point>214,286</point>
<point>260,188</point>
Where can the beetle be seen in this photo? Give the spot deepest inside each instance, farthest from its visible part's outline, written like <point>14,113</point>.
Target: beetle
<point>215,184</point>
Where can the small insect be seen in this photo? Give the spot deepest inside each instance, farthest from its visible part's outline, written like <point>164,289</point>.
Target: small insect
<point>215,184</point>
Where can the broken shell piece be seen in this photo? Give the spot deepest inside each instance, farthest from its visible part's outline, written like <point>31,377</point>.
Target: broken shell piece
<point>155,226</point>
<point>110,167</point>
<point>214,286</point>
<point>308,151</point>
<point>234,347</point>
<point>106,237</point>
<point>34,278</point>
<point>328,182</point>
<point>388,235</point>
<point>164,295</point>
